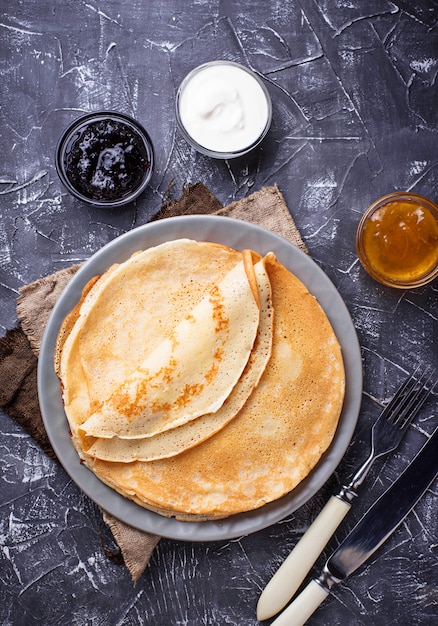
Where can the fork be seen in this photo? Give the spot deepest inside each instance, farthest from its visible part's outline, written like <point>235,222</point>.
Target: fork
<point>386,434</point>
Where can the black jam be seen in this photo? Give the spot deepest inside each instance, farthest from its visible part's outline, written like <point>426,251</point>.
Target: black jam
<point>106,160</point>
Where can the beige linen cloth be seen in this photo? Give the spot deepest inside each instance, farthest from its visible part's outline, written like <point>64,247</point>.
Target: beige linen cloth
<point>20,347</point>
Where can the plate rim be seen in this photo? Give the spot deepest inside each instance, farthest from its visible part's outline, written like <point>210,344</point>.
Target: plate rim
<point>216,228</point>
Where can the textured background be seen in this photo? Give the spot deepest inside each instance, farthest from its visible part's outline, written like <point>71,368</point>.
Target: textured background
<point>355,91</point>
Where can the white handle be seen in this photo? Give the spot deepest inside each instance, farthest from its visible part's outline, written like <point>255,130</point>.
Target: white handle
<point>294,569</point>
<point>302,608</point>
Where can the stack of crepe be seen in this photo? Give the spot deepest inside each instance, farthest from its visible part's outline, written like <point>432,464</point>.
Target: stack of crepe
<point>198,380</point>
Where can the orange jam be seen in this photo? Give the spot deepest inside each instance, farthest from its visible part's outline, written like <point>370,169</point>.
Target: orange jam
<point>397,240</point>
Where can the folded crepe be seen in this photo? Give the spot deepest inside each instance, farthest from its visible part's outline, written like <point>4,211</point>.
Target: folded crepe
<point>247,445</point>
<point>139,302</point>
<point>217,348</point>
<point>176,440</point>
<point>191,372</point>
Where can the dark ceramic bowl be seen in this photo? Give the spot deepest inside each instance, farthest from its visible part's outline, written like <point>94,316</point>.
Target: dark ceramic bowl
<point>105,159</point>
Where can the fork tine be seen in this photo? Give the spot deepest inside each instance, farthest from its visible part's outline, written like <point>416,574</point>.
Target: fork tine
<point>410,411</point>
<point>409,399</point>
<point>400,394</point>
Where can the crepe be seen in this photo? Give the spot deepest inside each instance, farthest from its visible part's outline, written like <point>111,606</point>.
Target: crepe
<point>113,339</point>
<point>197,365</point>
<point>270,444</point>
<point>106,340</point>
<point>174,441</point>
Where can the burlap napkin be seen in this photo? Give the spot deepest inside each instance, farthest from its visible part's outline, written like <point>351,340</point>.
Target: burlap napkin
<point>19,348</point>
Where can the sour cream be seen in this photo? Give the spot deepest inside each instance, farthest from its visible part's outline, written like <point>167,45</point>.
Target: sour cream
<point>223,109</point>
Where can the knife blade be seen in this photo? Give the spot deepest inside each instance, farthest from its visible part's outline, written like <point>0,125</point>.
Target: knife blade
<point>381,520</point>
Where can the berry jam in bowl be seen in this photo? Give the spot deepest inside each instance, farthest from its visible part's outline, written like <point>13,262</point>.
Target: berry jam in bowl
<point>105,159</point>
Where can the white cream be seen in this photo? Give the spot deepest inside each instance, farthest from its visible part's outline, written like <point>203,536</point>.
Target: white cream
<point>223,107</point>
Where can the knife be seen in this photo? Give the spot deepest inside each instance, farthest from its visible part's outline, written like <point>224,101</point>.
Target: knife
<point>369,534</point>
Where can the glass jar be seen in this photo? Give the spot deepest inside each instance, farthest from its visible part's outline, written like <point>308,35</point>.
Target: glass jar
<point>397,240</point>
<point>223,109</point>
<point>105,159</point>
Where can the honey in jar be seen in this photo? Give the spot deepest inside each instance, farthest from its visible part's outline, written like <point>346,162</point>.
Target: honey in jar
<point>397,240</point>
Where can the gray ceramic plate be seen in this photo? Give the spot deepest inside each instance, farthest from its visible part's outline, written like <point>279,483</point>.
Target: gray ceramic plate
<point>239,235</point>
